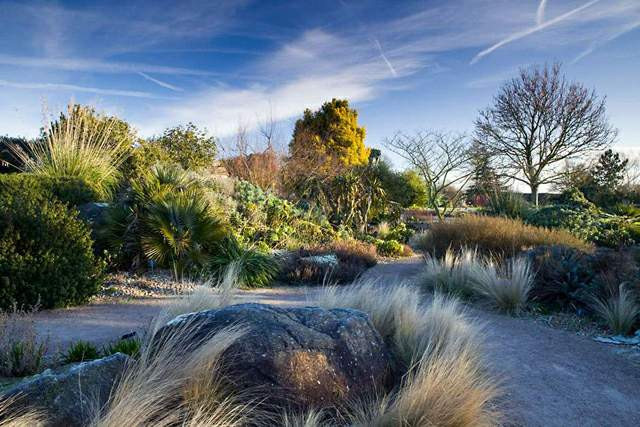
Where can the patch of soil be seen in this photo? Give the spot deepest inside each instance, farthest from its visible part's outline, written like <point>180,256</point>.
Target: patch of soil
<point>124,285</point>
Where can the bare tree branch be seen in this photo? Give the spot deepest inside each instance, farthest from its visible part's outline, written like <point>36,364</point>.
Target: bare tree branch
<point>539,120</point>
<point>442,159</point>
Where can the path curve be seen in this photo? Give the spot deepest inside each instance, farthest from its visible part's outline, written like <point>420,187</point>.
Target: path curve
<point>551,377</point>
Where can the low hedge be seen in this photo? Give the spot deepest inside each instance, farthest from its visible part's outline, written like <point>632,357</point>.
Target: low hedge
<point>70,190</point>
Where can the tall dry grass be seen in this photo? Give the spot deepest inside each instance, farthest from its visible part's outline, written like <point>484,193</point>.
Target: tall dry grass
<point>14,415</point>
<point>77,147</point>
<point>21,350</point>
<point>507,287</point>
<point>446,381</point>
<point>496,236</point>
<point>507,284</point>
<point>452,274</point>
<point>620,312</point>
<point>177,381</point>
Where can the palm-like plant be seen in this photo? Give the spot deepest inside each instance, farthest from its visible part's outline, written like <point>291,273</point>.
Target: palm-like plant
<point>180,232</point>
<point>165,219</point>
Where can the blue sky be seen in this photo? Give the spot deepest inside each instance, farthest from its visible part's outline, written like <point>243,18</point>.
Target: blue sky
<point>403,64</point>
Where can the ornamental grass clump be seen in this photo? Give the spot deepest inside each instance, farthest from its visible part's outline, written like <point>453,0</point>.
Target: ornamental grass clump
<point>75,146</point>
<point>620,312</point>
<point>446,380</point>
<point>452,274</point>
<point>495,236</point>
<point>507,287</point>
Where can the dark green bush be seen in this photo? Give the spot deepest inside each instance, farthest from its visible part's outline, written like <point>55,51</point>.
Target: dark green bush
<point>400,232</point>
<point>593,226</point>
<point>582,218</point>
<point>70,190</point>
<point>164,218</point>
<point>80,351</point>
<point>567,278</point>
<point>563,276</point>
<point>254,268</point>
<point>46,254</point>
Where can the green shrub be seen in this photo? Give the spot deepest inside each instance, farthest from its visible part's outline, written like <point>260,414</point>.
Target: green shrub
<point>570,279</point>
<point>180,232</point>
<point>80,351</point>
<point>165,218</point>
<point>389,248</point>
<point>46,254</point>
<point>507,204</point>
<point>70,190</point>
<point>593,226</point>
<point>129,346</point>
<point>583,219</point>
<point>263,217</point>
<point>492,235</point>
<point>400,232</point>
<point>255,269</point>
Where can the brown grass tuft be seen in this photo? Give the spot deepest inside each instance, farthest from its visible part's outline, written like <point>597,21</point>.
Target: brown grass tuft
<point>497,236</point>
<point>446,381</point>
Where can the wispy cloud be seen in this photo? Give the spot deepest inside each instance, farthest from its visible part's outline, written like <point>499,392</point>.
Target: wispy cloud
<point>75,88</point>
<point>384,58</point>
<point>540,12</point>
<point>98,66</point>
<point>532,30</point>
<point>160,82</point>
<point>606,39</point>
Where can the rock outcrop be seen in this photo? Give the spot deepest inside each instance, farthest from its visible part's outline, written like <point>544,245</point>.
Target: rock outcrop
<point>298,356</point>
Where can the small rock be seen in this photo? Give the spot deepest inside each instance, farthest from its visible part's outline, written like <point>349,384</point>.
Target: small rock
<point>69,396</point>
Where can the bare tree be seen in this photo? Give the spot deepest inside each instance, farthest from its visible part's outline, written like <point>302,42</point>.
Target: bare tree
<point>537,121</point>
<point>258,163</point>
<point>442,159</point>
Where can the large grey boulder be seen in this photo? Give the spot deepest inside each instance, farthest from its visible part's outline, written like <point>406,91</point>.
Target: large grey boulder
<point>300,357</point>
<point>70,396</point>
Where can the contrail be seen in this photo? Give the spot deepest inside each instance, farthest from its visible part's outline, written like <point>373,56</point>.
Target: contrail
<point>540,13</point>
<point>160,82</point>
<point>74,88</point>
<point>384,58</point>
<point>529,31</point>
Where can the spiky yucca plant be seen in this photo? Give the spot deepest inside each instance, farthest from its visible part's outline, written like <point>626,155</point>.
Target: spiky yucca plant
<point>76,147</point>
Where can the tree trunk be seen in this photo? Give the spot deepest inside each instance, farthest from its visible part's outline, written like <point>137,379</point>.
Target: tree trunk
<point>534,193</point>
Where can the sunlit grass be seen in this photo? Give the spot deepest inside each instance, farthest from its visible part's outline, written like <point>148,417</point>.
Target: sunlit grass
<point>76,147</point>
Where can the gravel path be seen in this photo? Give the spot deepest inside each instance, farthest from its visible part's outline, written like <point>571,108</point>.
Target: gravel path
<point>551,377</point>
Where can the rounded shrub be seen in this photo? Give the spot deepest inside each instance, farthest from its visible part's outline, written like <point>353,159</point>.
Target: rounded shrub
<point>389,248</point>
<point>70,190</point>
<point>46,254</point>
